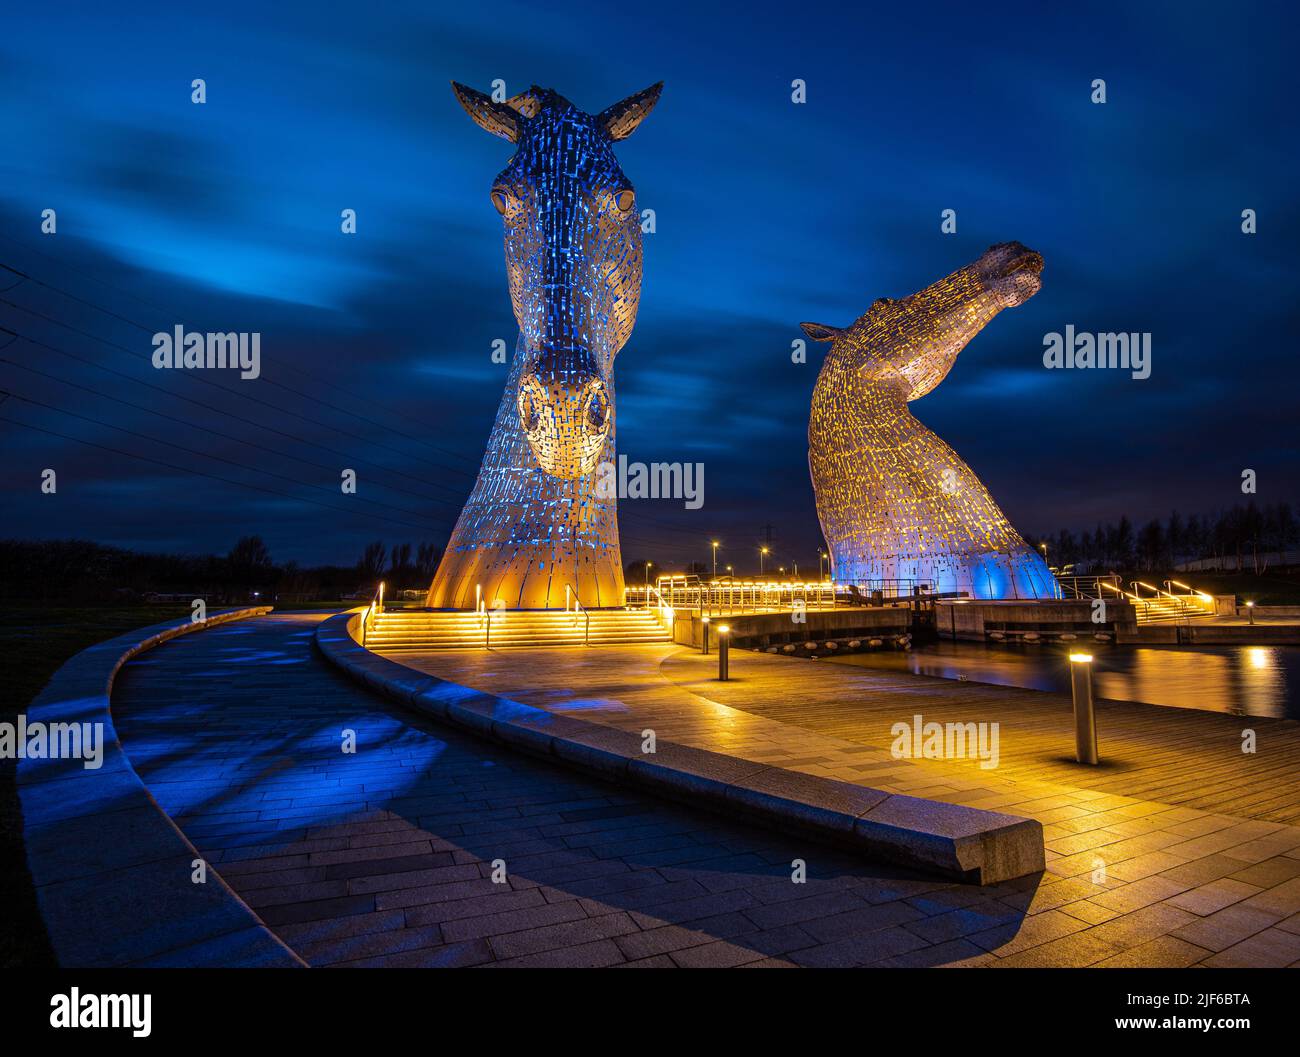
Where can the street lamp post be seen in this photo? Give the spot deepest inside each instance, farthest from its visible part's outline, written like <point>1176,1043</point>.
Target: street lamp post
<point>762,553</point>
<point>647,582</point>
<point>714,544</point>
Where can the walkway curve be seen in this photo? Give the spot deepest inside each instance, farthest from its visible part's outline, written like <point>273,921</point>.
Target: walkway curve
<point>385,855</point>
<point>113,874</point>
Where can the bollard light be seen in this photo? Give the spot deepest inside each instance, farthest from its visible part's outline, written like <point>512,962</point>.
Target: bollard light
<point>704,622</point>
<point>1250,608</point>
<point>1085,715</point>
<point>724,651</point>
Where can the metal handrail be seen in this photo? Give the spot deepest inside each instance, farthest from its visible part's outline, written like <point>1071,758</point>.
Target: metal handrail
<point>374,609</point>
<point>665,610</point>
<point>578,607</point>
<point>1192,592</point>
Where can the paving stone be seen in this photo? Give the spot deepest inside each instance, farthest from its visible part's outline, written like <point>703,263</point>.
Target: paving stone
<point>1162,952</point>
<point>1129,930</point>
<point>566,934</point>
<point>1271,948</point>
<point>1280,899</point>
<point>487,925</point>
<point>1039,930</point>
<point>584,956</point>
<point>1074,951</point>
<point>859,950</point>
<point>1226,927</point>
<point>1087,910</point>
<point>1213,896</point>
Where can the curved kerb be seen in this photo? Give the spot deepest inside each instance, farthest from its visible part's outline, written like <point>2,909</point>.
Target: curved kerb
<point>112,871</point>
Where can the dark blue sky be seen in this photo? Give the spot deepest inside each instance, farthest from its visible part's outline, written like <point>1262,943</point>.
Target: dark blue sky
<point>226,217</point>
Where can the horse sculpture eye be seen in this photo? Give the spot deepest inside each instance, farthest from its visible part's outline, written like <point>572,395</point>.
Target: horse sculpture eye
<point>500,200</point>
<point>624,200</point>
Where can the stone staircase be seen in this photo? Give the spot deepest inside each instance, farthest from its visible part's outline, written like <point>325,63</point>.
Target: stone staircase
<point>1151,605</point>
<point>406,630</point>
<point>1163,609</point>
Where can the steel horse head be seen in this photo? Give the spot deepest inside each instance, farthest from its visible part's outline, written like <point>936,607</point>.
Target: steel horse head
<point>573,257</point>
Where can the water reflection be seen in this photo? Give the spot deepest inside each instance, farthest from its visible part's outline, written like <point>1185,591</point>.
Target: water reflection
<point>1245,680</point>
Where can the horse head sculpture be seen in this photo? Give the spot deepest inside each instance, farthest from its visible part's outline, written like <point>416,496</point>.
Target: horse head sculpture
<point>573,258</point>
<point>537,530</point>
<point>895,502</point>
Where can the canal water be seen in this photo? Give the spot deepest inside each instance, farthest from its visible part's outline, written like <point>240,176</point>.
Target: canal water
<point>1243,680</point>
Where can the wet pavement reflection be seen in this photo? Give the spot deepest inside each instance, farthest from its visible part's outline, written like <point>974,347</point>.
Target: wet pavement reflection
<point>1244,680</point>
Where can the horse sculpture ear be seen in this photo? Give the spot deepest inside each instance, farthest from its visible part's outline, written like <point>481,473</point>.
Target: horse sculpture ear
<point>528,103</point>
<point>620,120</point>
<point>820,331</point>
<point>498,118</point>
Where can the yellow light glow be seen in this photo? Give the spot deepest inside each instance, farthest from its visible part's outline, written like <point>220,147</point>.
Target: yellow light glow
<point>723,629</point>
<point>1081,658</point>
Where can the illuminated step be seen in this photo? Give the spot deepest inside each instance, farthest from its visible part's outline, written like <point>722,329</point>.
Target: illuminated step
<point>407,630</point>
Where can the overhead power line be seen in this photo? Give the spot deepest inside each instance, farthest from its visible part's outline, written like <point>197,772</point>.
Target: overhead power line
<point>214,477</point>
<point>172,445</point>
<point>216,432</point>
<point>206,379</point>
<point>26,277</point>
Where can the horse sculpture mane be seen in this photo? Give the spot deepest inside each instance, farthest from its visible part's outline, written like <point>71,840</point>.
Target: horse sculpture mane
<point>895,502</point>
<point>536,523</point>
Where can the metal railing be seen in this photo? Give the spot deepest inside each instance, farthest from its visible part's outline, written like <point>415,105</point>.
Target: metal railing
<point>1088,587</point>
<point>1199,599</point>
<point>571,592</point>
<point>1148,601</point>
<point>728,595</point>
<point>373,610</point>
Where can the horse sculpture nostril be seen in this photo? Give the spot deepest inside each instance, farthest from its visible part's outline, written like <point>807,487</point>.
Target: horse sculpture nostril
<point>531,402</point>
<point>597,407</point>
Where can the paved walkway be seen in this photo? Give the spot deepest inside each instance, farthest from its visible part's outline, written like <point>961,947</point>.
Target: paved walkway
<point>385,856</point>
<point>1179,850</point>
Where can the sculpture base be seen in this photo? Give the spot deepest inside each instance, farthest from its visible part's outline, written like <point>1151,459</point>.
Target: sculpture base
<point>532,579</point>
<point>1018,574</point>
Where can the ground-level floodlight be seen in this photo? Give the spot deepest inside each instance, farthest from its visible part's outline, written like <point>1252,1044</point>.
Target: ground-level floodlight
<point>1085,713</point>
<point>724,650</point>
<point>1250,608</point>
<point>704,630</point>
